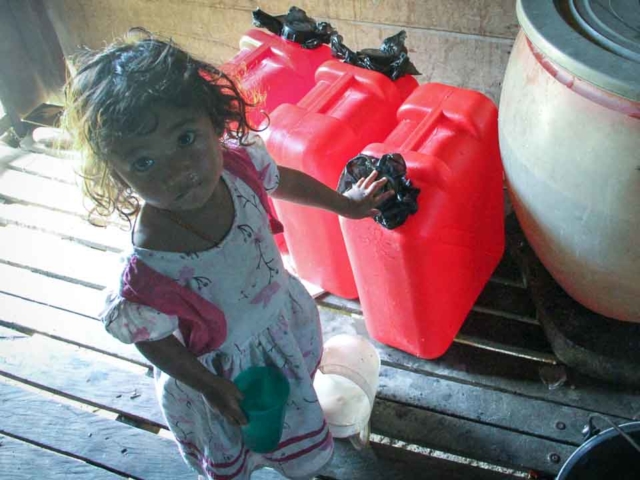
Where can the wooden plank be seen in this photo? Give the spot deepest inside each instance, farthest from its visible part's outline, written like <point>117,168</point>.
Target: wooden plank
<point>347,464</point>
<point>506,336</point>
<point>470,61</point>
<point>524,377</point>
<point>483,17</point>
<point>125,450</point>
<point>25,188</point>
<point>46,290</point>
<point>80,374</point>
<point>5,122</point>
<point>382,462</point>
<point>140,454</point>
<point>510,370</point>
<point>484,327</point>
<point>484,368</point>
<point>61,258</point>
<point>497,297</point>
<point>469,439</point>
<point>425,466</point>
<point>8,154</point>
<point>507,301</point>
<point>61,169</point>
<point>31,317</point>
<point>83,331</point>
<point>343,304</point>
<point>212,34</point>
<point>475,63</point>
<point>62,294</point>
<point>508,272</point>
<point>8,334</point>
<point>24,461</point>
<point>66,226</point>
<point>486,343</point>
<point>482,405</point>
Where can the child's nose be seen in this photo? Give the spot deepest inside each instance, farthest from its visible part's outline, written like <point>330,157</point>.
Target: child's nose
<point>180,167</point>
<point>183,177</point>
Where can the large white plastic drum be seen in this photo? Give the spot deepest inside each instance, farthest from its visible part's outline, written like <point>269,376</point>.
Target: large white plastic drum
<point>570,142</point>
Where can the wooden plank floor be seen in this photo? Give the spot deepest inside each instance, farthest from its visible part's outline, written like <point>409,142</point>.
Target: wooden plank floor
<point>74,402</point>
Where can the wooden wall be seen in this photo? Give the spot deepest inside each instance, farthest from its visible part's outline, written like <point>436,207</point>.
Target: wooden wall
<point>460,42</point>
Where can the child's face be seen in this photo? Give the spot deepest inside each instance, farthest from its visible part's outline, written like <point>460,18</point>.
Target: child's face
<point>177,166</point>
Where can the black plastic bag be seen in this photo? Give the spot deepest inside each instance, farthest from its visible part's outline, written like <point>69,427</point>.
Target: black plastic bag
<point>295,26</point>
<point>395,210</point>
<point>391,59</point>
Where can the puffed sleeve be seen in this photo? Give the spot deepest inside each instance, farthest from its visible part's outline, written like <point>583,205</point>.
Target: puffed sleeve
<point>131,322</point>
<point>264,163</point>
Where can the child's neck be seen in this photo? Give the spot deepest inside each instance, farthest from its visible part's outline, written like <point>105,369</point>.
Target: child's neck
<point>188,230</point>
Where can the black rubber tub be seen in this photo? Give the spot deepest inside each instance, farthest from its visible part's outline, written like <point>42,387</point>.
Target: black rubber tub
<point>608,455</point>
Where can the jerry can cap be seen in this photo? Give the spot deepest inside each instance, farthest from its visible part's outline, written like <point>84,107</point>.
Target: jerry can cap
<point>295,26</point>
<point>391,59</point>
<point>395,210</point>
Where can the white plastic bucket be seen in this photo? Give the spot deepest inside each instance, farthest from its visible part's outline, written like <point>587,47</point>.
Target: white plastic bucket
<point>346,384</point>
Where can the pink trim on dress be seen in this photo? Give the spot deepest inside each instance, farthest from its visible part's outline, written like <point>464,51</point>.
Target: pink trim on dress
<point>299,438</point>
<point>326,439</point>
<point>231,475</point>
<point>203,325</point>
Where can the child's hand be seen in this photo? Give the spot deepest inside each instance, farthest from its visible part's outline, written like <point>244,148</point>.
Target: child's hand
<point>364,197</point>
<point>225,397</point>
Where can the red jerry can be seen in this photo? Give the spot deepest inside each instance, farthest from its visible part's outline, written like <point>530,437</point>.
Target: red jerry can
<point>271,70</point>
<point>418,282</point>
<point>348,108</point>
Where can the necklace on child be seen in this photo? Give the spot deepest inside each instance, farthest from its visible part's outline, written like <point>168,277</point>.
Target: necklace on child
<point>190,228</point>
<point>175,218</point>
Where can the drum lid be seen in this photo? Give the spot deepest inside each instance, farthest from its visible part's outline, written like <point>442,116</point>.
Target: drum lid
<point>596,40</point>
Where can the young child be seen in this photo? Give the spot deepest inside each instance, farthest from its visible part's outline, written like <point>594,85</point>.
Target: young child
<point>204,294</point>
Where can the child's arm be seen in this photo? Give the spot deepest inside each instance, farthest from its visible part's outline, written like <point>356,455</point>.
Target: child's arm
<point>170,356</point>
<point>359,202</point>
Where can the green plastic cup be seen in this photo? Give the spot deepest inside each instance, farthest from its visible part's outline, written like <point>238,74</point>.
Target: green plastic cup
<point>265,391</point>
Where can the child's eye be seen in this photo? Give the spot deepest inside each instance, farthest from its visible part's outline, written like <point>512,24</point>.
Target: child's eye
<point>143,164</point>
<point>187,138</point>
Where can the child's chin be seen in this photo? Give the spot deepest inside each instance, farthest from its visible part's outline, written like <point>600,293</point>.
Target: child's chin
<point>195,199</point>
<point>194,204</point>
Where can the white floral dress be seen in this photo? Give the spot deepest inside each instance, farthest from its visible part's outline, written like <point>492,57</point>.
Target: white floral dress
<point>270,320</point>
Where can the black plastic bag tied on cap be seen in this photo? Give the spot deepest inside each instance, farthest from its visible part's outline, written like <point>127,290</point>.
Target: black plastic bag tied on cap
<point>295,26</point>
<point>395,210</point>
<point>391,59</point>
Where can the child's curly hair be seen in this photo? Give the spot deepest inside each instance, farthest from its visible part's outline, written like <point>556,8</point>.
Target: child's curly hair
<point>116,86</point>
